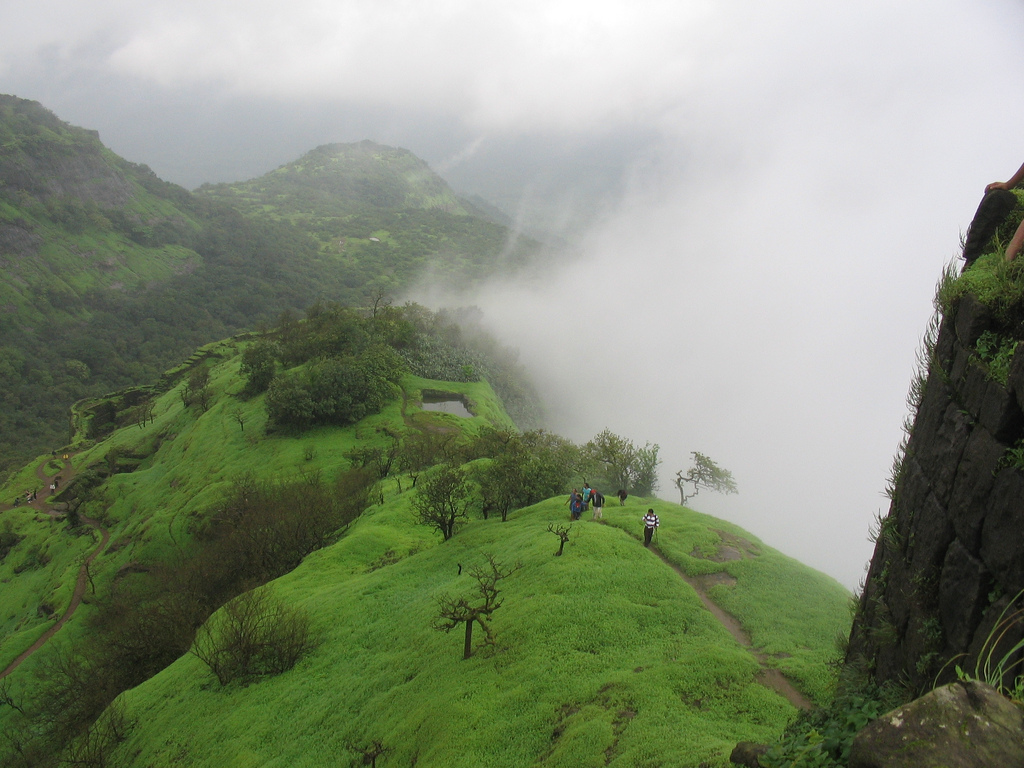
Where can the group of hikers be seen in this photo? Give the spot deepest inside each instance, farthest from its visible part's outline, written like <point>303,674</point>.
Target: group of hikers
<point>581,500</point>
<point>32,495</point>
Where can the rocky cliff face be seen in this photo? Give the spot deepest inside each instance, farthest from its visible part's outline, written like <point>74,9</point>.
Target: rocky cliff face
<point>949,558</point>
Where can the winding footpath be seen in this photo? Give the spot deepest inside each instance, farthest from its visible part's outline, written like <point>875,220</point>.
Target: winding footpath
<point>768,676</point>
<point>40,504</point>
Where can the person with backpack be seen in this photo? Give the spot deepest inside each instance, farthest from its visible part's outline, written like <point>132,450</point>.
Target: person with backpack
<point>597,499</point>
<point>575,505</point>
<point>650,525</point>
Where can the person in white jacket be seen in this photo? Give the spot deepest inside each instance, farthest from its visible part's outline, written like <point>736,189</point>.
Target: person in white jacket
<point>650,524</point>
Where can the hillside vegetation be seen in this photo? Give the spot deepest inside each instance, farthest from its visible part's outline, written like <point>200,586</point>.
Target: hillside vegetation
<point>604,655</point>
<point>381,215</point>
<point>112,275</point>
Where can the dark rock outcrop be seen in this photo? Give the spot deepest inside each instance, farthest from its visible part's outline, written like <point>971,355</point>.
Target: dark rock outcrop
<point>747,753</point>
<point>949,558</point>
<point>993,209</point>
<point>960,725</point>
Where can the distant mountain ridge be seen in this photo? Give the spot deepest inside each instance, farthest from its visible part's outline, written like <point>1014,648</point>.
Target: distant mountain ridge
<point>345,178</point>
<point>42,155</point>
<point>371,206</point>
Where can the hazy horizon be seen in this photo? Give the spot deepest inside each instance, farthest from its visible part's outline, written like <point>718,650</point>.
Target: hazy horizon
<point>758,197</point>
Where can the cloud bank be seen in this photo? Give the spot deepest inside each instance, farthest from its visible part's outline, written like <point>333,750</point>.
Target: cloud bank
<point>797,175</point>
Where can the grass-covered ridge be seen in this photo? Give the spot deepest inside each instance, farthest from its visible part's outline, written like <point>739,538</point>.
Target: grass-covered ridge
<point>604,655</point>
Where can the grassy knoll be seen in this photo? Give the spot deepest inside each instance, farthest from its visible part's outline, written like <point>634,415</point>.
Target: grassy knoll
<point>603,656</point>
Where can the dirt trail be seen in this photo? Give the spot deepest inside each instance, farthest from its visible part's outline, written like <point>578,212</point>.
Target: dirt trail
<point>768,676</point>
<point>83,573</point>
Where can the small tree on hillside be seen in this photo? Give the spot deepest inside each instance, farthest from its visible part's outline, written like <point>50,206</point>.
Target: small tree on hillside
<point>197,389</point>
<point>476,608</point>
<point>422,450</point>
<point>259,364</point>
<point>527,468</point>
<point>504,481</point>
<point>368,754</point>
<point>621,464</point>
<point>380,459</point>
<point>442,500</point>
<point>563,532</point>
<point>703,474</point>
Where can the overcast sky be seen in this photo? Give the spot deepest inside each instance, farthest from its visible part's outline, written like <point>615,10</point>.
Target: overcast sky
<point>785,178</point>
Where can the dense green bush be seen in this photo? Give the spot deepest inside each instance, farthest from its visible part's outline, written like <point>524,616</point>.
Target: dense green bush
<point>822,738</point>
<point>334,390</point>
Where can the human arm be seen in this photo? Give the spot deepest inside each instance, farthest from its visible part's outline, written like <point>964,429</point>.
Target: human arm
<point>1016,243</point>
<point>1010,183</point>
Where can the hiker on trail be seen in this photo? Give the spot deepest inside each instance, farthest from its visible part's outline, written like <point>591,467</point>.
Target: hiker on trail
<point>622,497</point>
<point>650,523</point>
<point>994,208</point>
<point>598,499</point>
<point>575,505</point>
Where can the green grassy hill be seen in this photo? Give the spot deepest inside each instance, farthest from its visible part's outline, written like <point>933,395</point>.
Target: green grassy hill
<point>603,656</point>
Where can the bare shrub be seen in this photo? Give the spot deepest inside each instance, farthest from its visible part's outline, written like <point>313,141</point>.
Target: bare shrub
<point>94,748</point>
<point>564,534</point>
<point>255,634</point>
<point>477,608</point>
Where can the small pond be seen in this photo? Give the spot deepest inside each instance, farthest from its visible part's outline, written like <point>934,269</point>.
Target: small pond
<point>446,402</point>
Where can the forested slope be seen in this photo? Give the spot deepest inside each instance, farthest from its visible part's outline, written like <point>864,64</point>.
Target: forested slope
<point>112,275</point>
<point>382,215</point>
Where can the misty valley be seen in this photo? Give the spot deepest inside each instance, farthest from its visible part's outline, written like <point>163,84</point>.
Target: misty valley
<point>260,507</point>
